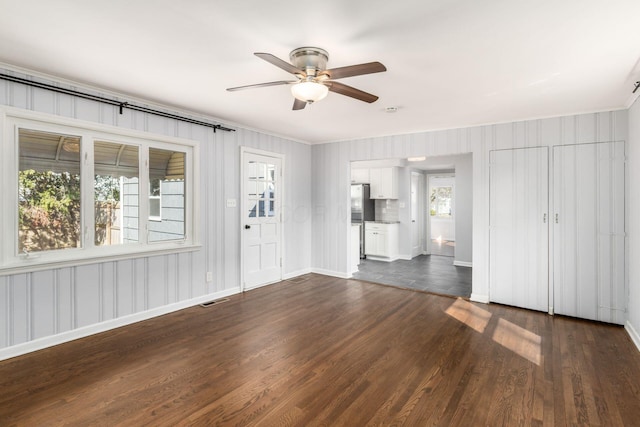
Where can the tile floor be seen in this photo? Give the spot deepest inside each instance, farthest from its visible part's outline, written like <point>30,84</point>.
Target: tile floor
<point>432,273</point>
<point>445,247</point>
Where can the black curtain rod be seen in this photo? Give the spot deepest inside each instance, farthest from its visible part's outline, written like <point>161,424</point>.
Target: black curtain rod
<point>121,104</point>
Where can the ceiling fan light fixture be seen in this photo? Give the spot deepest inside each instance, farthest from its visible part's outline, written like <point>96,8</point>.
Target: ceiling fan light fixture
<point>309,91</point>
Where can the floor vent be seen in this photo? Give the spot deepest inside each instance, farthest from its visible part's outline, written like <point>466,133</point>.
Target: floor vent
<point>210,303</point>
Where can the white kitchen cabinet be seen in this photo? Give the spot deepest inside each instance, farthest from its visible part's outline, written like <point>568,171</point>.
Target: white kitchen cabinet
<point>381,241</point>
<point>360,176</point>
<point>384,183</point>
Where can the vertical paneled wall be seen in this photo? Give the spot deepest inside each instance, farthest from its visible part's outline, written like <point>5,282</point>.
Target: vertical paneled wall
<point>46,303</point>
<point>330,181</point>
<point>633,224</point>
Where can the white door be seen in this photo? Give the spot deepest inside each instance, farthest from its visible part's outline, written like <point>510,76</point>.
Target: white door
<point>261,219</point>
<point>519,236</point>
<point>417,214</point>
<point>588,231</point>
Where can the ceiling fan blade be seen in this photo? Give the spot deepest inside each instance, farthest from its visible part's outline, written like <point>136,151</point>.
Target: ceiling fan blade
<point>280,63</point>
<point>355,70</point>
<point>343,89</point>
<point>281,82</point>
<point>298,105</point>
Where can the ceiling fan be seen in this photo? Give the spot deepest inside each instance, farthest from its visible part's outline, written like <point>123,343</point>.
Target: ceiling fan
<point>314,81</point>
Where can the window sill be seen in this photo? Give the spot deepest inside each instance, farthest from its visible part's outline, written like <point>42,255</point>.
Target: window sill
<point>38,263</point>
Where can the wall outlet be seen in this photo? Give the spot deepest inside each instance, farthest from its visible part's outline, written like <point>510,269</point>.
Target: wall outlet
<point>209,276</point>
<point>231,203</point>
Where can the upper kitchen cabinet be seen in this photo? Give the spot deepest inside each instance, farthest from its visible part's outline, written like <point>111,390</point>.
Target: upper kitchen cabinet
<point>360,176</point>
<point>384,183</point>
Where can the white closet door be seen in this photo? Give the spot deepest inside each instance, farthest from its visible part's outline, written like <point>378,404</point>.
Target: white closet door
<point>519,231</point>
<point>588,231</point>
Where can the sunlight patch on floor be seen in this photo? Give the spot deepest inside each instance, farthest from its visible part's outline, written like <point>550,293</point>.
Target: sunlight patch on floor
<point>522,342</point>
<point>474,317</point>
<point>509,335</point>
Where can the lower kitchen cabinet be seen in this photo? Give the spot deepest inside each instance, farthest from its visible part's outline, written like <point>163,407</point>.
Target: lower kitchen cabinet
<point>381,241</point>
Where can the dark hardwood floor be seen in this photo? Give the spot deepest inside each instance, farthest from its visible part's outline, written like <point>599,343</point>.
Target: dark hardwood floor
<point>334,352</point>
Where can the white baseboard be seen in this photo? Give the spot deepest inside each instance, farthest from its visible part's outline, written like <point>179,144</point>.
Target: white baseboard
<point>633,334</point>
<point>479,298</point>
<point>462,264</point>
<point>405,257</point>
<point>50,341</point>
<point>331,273</point>
<point>381,258</point>
<point>296,274</point>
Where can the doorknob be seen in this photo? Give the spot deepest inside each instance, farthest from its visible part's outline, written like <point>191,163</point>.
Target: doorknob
<point>247,227</point>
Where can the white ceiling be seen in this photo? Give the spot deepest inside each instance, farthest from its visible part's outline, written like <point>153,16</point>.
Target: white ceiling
<point>450,63</point>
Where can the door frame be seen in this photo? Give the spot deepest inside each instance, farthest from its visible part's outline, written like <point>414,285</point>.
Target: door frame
<point>421,210</point>
<point>427,204</point>
<point>244,150</point>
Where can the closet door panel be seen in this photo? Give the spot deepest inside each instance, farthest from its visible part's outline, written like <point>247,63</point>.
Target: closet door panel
<point>610,223</point>
<point>588,234</point>
<point>519,228</point>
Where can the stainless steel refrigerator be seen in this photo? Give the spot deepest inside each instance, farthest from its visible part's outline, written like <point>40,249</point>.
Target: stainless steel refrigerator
<point>362,209</point>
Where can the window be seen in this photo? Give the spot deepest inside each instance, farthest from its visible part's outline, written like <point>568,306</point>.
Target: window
<point>441,198</point>
<point>116,182</point>
<point>261,189</point>
<point>166,194</point>
<point>48,191</point>
<point>78,193</point>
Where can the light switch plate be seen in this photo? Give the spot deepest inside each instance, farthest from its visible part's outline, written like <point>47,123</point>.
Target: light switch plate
<point>231,203</point>
<point>402,205</point>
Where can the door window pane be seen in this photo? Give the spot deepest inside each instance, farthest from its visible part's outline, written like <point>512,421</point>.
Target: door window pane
<point>116,190</point>
<point>441,201</point>
<point>48,191</point>
<point>167,179</point>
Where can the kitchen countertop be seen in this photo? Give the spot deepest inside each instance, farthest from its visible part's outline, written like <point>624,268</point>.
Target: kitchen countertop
<point>384,222</point>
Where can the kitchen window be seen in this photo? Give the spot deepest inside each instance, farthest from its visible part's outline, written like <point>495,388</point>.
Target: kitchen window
<point>78,193</point>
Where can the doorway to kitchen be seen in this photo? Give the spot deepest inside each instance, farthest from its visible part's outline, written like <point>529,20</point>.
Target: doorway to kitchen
<point>400,251</point>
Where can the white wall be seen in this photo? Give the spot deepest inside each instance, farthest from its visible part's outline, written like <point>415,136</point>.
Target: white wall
<point>45,307</point>
<point>330,175</point>
<point>464,209</point>
<point>633,223</point>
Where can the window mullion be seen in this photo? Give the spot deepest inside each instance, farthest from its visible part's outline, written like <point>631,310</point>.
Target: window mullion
<point>9,180</point>
<point>143,198</point>
<point>87,192</point>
